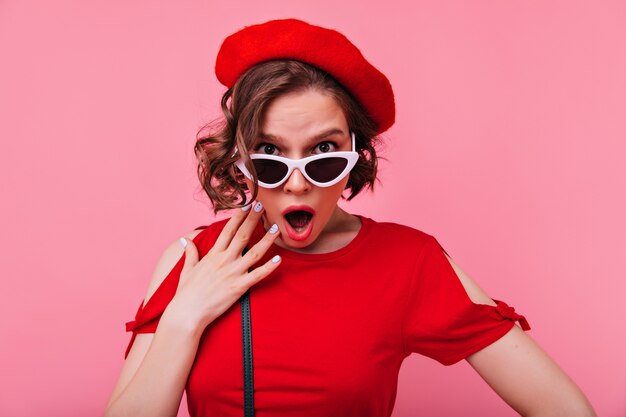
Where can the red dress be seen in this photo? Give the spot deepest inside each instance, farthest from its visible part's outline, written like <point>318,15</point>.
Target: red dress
<point>330,331</point>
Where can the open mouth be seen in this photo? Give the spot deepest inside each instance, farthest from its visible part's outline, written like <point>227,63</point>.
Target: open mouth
<point>298,219</point>
<point>298,222</point>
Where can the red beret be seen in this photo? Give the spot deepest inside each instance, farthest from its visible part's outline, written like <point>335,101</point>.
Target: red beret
<point>323,48</point>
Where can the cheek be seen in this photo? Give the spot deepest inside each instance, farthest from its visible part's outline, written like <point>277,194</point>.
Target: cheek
<point>332,194</point>
<point>341,186</point>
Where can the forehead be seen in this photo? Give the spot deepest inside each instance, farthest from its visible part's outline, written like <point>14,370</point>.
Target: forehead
<point>303,115</point>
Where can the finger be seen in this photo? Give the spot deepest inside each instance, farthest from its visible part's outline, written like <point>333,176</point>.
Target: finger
<point>261,272</point>
<point>257,251</point>
<point>243,234</point>
<point>231,227</point>
<point>191,254</point>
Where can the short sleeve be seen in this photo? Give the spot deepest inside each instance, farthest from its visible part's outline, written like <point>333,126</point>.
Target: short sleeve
<point>441,321</point>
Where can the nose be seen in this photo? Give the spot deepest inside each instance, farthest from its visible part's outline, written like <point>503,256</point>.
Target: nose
<point>297,184</point>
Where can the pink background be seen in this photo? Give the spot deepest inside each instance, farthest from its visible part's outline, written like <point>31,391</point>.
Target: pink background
<point>508,147</point>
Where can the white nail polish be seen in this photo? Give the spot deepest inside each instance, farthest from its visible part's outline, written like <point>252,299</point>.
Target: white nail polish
<point>183,242</point>
<point>273,229</point>
<point>275,259</point>
<point>246,207</point>
<point>258,207</point>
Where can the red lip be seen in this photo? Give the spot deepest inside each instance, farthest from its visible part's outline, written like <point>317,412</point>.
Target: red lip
<point>298,208</point>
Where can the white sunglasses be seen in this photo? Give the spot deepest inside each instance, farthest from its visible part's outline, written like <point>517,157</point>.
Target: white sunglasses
<point>322,170</point>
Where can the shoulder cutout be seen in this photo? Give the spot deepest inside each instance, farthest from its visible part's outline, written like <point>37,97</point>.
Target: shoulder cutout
<point>168,259</point>
<point>474,292</point>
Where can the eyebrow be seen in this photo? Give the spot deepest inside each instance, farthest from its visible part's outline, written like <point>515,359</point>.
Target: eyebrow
<point>326,133</point>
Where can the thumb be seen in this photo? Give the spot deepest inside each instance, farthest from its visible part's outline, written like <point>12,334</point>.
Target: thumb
<point>191,253</point>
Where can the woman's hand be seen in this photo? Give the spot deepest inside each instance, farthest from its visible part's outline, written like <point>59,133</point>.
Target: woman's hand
<point>207,288</point>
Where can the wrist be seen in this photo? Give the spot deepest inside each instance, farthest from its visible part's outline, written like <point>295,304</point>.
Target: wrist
<point>176,319</point>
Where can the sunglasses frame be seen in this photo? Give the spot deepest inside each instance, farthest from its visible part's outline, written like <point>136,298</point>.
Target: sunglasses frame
<point>351,156</point>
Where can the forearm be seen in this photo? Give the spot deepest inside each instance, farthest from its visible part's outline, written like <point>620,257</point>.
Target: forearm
<point>157,387</point>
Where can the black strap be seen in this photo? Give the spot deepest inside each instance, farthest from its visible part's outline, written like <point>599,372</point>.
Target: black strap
<point>248,368</point>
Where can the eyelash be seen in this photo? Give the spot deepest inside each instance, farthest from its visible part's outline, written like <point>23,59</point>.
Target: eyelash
<point>332,144</point>
<point>259,147</point>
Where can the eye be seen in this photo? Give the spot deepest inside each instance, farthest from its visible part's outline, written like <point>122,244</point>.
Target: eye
<point>267,149</point>
<point>324,147</point>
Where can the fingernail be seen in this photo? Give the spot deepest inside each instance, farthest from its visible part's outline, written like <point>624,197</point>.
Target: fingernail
<point>246,207</point>
<point>183,242</point>
<point>258,207</point>
<point>274,229</point>
<point>275,259</point>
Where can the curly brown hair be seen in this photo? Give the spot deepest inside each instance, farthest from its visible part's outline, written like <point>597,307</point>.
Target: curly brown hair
<point>220,144</point>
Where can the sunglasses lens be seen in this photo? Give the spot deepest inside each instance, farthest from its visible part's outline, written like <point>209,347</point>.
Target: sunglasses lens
<point>268,171</point>
<point>327,169</point>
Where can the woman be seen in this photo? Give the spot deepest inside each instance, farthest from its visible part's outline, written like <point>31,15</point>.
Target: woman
<point>337,301</point>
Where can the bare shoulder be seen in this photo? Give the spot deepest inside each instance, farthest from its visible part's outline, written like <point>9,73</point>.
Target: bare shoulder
<point>473,290</point>
<point>166,262</point>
